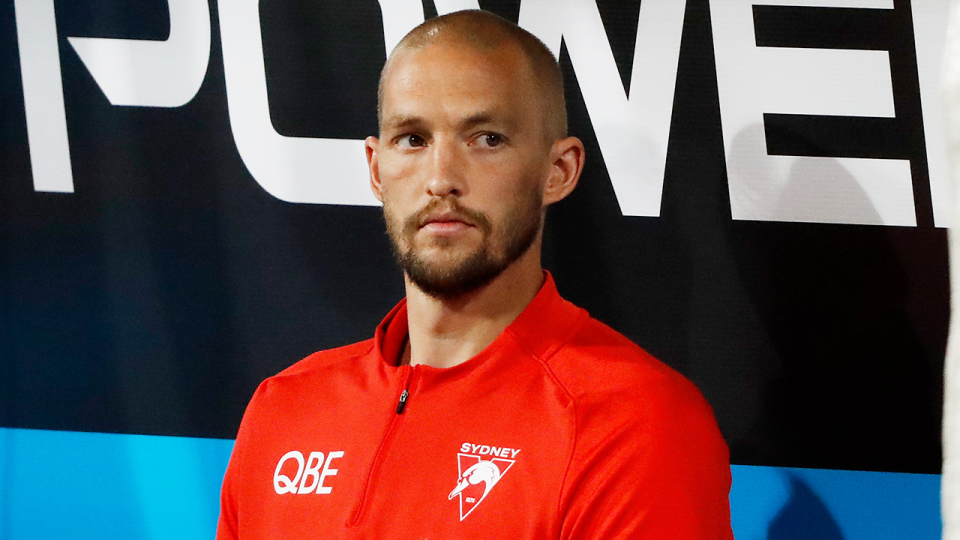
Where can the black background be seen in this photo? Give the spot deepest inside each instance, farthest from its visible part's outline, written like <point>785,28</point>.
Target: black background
<point>157,296</point>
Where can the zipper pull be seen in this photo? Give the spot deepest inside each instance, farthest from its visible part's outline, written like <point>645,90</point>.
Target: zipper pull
<point>403,401</point>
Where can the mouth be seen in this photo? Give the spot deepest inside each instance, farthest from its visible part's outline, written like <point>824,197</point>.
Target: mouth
<point>442,219</point>
<point>445,222</point>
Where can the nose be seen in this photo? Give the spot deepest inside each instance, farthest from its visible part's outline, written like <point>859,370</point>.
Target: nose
<point>446,176</point>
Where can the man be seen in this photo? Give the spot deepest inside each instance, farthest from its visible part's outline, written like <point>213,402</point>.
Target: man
<point>486,406</point>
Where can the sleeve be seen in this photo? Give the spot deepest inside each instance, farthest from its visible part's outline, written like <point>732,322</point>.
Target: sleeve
<point>231,490</point>
<point>661,472</point>
<point>227,524</point>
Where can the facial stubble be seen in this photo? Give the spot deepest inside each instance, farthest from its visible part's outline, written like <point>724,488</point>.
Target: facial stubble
<point>457,275</point>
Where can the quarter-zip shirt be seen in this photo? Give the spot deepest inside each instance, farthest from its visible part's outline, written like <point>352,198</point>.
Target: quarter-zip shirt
<point>560,429</point>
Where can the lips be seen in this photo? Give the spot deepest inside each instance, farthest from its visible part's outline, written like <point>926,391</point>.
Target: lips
<point>444,218</point>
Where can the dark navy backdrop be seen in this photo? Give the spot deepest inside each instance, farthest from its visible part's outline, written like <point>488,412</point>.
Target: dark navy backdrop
<point>154,298</point>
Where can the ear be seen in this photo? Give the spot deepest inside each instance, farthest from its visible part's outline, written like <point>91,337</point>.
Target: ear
<point>567,158</point>
<point>372,145</point>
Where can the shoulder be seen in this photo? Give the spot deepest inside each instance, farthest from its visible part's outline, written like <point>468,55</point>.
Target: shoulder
<point>302,375</point>
<point>599,367</point>
<point>329,357</point>
<point>622,395</point>
<point>647,454</point>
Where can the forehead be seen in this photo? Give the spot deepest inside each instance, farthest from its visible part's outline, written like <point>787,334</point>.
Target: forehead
<point>451,79</point>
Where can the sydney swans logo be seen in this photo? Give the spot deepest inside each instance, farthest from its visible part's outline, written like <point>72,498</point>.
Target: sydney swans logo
<point>477,475</point>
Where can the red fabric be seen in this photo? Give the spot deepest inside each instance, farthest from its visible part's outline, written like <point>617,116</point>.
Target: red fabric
<point>593,438</point>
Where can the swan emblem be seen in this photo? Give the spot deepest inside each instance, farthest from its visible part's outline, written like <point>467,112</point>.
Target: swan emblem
<point>481,471</point>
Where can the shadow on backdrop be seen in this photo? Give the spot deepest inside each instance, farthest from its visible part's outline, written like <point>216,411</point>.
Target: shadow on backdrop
<point>804,516</point>
<point>852,385</point>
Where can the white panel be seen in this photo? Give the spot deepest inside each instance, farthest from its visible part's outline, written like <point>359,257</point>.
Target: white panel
<point>950,481</point>
<point>43,95</point>
<point>149,73</point>
<point>756,80</point>
<point>930,29</point>
<point>293,169</point>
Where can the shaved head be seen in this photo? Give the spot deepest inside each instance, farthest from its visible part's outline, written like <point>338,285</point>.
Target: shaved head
<point>483,31</point>
<point>472,149</point>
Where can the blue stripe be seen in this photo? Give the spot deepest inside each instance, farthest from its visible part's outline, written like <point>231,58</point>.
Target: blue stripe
<point>57,484</point>
<point>779,503</point>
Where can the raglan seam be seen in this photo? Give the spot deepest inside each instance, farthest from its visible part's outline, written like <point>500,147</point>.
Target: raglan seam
<point>575,328</point>
<point>575,439</point>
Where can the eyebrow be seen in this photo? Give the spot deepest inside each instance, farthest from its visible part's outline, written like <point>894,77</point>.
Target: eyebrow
<point>476,120</point>
<point>399,121</point>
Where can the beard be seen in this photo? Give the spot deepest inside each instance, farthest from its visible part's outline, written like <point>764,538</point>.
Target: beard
<point>454,275</point>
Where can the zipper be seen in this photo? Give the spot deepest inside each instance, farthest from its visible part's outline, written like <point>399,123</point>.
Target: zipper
<point>378,458</point>
<point>403,400</point>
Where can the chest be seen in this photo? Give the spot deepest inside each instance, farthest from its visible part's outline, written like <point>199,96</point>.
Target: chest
<point>486,463</point>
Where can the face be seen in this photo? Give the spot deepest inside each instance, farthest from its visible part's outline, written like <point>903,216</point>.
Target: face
<point>460,164</point>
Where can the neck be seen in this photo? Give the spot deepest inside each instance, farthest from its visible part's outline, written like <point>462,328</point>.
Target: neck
<point>447,332</point>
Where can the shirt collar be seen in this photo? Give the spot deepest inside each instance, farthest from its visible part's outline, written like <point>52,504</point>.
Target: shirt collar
<point>540,329</point>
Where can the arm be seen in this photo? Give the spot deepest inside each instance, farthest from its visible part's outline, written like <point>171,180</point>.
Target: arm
<point>232,488</point>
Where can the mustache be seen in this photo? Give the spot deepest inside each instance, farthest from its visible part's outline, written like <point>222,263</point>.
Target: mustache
<point>448,207</point>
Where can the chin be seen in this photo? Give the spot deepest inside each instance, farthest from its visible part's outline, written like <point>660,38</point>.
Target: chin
<point>445,269</point>
<point>445,258</point>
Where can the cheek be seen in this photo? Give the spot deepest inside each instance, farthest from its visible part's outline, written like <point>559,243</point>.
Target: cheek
<point>501,180</point>
<point>524,186</point>
<point>390,218</point>
<point>396,214</point>
<point>395,164</point>
<point>398,180</point>
<point>517,208</point>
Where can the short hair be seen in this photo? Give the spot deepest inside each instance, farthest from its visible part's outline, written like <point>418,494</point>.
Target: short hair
<point>486,30</point>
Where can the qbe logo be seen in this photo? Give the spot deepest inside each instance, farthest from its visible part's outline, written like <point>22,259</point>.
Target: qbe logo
<point>308,476</point>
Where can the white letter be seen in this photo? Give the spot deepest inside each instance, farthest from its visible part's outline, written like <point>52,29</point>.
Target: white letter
<point>632,132</point>
<point>281,482</point>
<point>293,169</point>
<point>930,30</point>
<point>43,95</point>
<point>327,471</point>
<point>399,18</point>
<point>147,73</point>
<point>311,471</point>
<point>755,80</point>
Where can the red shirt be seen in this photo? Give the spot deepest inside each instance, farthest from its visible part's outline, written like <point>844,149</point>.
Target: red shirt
<point>561,428</point>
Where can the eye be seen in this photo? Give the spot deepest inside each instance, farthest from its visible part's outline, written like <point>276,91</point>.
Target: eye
<point>411,141</point>
<point>491,140</point>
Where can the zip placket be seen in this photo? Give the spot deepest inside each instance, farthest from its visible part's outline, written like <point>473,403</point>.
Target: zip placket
<point>406,378</point>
